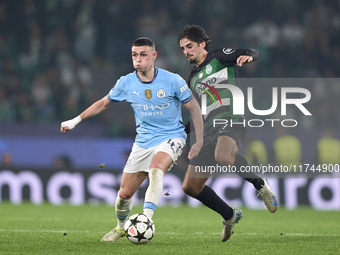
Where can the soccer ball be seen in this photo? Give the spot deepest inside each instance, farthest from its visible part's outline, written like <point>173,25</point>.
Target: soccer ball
<point>139,229</point>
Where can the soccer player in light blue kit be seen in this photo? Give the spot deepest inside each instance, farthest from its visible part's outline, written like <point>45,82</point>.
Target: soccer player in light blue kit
<point>155,96</point>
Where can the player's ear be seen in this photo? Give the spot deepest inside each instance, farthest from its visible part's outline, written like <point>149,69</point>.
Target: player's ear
<point>202,44</point>
<point>154,55</point>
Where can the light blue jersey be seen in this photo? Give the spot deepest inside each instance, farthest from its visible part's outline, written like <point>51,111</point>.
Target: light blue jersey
<point>156,104</point>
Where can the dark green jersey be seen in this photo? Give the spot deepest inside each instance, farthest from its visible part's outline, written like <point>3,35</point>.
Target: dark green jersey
<point>218,68</point>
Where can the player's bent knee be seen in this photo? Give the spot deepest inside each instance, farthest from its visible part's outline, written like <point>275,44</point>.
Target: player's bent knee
<point>225,160</point>
<point>187,190</point>
<point>155,165</point>
<point>125,194</point>
<point>191,190</point>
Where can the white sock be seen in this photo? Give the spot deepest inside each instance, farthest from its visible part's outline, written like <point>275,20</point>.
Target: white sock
<point>123,208</point>
<point>154,191</point>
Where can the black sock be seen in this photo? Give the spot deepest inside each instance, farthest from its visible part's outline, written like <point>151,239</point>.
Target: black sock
<point>250,177</point>
<point>209,198</point>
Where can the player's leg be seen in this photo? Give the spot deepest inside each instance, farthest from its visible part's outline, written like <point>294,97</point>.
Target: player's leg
<point>229,141</point>
<point>226,153</point>
<point>129,184</point>
<point>194,186</point>
<point>158,167</point>
<point>268,196</point>
<point>166,154</point>
<point>194,181</point>
<point>135,172</point>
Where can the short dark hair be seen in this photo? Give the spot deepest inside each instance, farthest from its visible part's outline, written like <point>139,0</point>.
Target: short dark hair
<point>144,41</point>
<point>195,33</point>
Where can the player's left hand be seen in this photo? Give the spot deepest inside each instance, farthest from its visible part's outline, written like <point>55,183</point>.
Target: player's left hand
<point>244,59</point>
<point>195,149</point>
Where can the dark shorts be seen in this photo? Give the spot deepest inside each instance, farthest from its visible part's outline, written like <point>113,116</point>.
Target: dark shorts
<point>206,157</point>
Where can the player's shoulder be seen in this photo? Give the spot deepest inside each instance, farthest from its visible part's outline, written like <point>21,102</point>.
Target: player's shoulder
<point>219,54</point>
<point>165,73</point>
<point>169,76</point>
<point>127,79</point>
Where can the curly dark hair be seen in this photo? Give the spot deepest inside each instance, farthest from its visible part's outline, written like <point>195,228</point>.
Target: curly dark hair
<point>195,33</point>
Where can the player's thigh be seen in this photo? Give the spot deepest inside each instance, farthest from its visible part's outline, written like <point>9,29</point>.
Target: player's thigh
<point>167,153</point>
<point>139,160</point>
<point>226,150</point>
<point>161,160</point>
<point>130,183</point>
<point>226,145</point>
<point>194,181</point>
<point>229,141</point>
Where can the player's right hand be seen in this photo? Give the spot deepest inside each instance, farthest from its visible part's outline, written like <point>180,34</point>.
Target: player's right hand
<point>194,150</point>
<point>64,129</point>
<point>244,59</point>
<point>69,124</point>
<point>66,126</point>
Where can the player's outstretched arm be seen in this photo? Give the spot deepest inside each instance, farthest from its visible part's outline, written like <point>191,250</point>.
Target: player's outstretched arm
<point>197,120</point>
<point>244,59</point>
<point>93,110</point>
<point>250,56</point>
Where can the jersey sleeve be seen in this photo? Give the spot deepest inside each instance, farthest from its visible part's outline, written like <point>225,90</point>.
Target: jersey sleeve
<point>229,56</point>
<point>117,94</point>
<point>182,91</point>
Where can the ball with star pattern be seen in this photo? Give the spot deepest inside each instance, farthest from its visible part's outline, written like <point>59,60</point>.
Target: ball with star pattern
<point>139,229</point>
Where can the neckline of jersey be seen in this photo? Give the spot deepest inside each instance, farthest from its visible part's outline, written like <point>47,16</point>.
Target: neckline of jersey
<point>204,63</point>
<point>148,82</point>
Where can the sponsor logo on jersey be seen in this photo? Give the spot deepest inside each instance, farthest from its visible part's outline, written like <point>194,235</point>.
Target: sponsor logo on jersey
<point>213,90</point>
<point>228,51</point>
<point>148,94</point>
<point>150,107</point>
<point>200,75</point>
<point>208,69</point>
<point>161,93</point>
<point>183,88</point>
<point>150,110</point>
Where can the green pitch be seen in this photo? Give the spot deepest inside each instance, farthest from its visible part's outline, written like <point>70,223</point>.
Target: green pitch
<point>47,229</point>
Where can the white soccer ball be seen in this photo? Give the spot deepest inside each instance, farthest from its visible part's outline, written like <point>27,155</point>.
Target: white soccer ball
<point>139,229</point>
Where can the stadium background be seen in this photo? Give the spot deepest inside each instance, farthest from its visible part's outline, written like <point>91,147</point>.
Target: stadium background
<point>58,57</point>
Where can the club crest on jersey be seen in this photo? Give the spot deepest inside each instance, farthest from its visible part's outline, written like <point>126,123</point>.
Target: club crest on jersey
<point>208,69</point>
<point>161,93</point>
<point>148,94</point>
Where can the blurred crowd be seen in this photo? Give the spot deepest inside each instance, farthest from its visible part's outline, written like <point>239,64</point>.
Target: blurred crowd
<point>59,56</point>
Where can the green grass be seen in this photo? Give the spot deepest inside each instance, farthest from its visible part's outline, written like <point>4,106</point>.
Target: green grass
<point>48,229</point>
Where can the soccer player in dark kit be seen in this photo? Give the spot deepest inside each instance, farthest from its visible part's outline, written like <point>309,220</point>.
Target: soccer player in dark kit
<point>221,142</point>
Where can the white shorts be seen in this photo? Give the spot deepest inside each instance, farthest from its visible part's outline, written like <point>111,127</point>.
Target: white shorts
<point>140,158</point>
